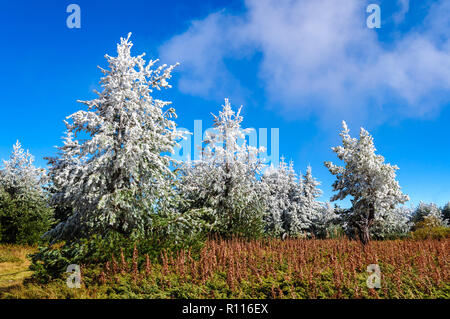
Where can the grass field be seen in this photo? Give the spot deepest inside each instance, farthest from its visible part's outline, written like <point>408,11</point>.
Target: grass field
<point>294,268</point>
<point>14,265</point>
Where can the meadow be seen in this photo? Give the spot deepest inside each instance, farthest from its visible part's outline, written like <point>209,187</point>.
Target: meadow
<point>14,265</point>
<point>264,268</point>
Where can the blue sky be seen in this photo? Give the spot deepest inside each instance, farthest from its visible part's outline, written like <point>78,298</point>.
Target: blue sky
<point>300,66</point>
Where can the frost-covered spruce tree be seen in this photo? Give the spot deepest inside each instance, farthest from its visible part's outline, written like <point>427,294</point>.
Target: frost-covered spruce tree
<point>293,224</point>
<point>114,167</point>
<point>19,175</point>
<point>279,185</point>
<point>24,210</point>
<point>366,178</point>
<point>277,198</point>
<point>224,180</point>
<point>395,223</point>
<point>311,209</point>
<point>58,187</point>
<point>326,222</point>
<point>428,212</point>
<point>291,200</point>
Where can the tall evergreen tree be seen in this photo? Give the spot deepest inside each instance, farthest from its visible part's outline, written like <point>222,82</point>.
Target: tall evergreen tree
<point>114,167</point>
<point>280,216</point>
<point>24,210</point>
<point>291,200</point>
<point>311,209</point>
<point>19,175</point>
<point>366,178</point>
<point>224,180</point>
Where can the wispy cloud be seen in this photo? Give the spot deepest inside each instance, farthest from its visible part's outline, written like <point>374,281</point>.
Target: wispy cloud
<point>399,16</point>
<point>318,57</point>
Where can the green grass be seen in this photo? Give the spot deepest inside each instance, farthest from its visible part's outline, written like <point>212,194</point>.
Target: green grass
<point>14,265</point>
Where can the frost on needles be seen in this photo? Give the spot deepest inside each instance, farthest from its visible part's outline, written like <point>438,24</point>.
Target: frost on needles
<point>114,172</point>
<point>224,181</point>
<point>113,168</point>
<point>366,178</point>
<point>24,210</point>
<point>292,206</point>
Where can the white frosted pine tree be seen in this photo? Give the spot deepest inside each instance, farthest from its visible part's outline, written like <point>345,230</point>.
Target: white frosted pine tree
<point>292,206</point>
<point>292,219</point>
<point>19,175</point>
<point>311,209</point>
<point>24,210</point>
<point>428,212</point>
<point>224,179</point>
<point>394,223</point>
<point>366,178</point>
<point>276,198</point>
<point>277,183</point>
<point>326,222</point>
<point>114,167</point>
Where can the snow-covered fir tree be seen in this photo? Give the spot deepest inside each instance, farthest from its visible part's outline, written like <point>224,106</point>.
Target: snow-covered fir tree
<point>58,187</point>
<point>277,197</point>
<point>19,175</point>
<point>430,213</point>
<point>326,223</point>
<point>291,200</point>
<point>366,178</point>
<point>224,180</point>
<point>392,224</point>
<point>311,209</point>
<point>293,224</point>
<point>24,210</point>
<point>281,214</point>
<point>113,169</point>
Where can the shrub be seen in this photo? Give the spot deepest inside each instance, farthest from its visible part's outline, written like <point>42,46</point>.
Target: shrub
<point>294,268</point>
<point>431,233</point>
<point>430,228</point>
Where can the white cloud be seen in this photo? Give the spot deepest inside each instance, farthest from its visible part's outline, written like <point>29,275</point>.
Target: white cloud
<point>202,50</point>
<point>318,57</point>
<point>404,9</point>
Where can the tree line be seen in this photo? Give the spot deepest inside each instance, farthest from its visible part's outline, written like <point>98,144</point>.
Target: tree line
<point>114,174</point>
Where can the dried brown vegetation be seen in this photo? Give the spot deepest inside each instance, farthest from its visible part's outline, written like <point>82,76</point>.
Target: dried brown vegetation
<point>294,268</point>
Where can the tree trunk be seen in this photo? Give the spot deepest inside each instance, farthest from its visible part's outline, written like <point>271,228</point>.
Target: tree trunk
<point>364,235</point>
<point>222,204</point>
<point>364,229</point>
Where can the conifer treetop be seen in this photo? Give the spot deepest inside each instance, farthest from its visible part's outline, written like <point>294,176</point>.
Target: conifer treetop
<point>114,165</point>
<point>19,172</point>
<point>365,174</point>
